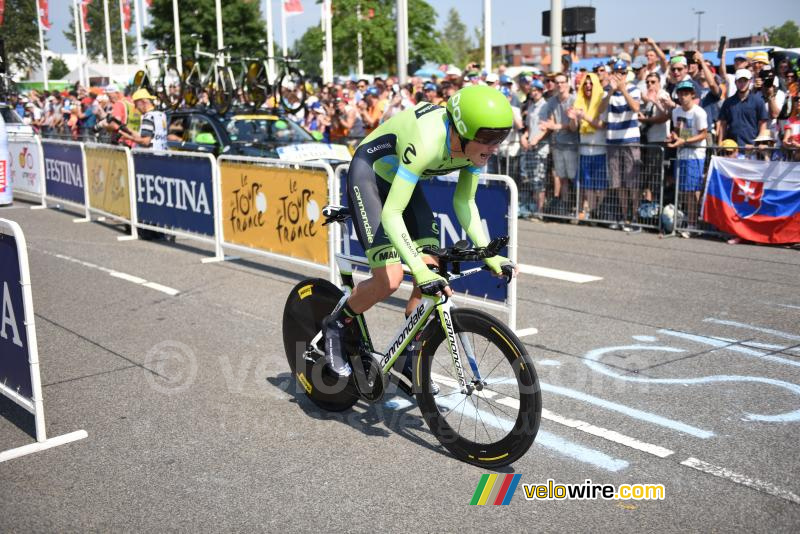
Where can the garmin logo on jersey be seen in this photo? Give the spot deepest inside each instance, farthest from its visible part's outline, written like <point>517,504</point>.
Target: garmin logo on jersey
<point>374,149</point>
<point>362,210</point>
<point>411,323</point>
<point>460,126</point>
<point>409,244</point>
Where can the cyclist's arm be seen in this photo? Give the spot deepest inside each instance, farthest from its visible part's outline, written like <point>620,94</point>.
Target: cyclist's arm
<point>392,219</point>
<point>465,207</point>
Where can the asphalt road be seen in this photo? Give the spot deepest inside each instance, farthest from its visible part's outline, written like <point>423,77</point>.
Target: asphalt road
<point>679,366</point>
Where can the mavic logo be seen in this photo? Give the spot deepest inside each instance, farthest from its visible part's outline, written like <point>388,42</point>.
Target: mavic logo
<point>410,149</point>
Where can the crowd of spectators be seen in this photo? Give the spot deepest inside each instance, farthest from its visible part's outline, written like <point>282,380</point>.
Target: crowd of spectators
<point>613,130</point>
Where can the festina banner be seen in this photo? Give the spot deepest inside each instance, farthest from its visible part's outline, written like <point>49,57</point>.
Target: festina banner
<point>126,15</point>
<point>44,14</point>
<point>85,12</point>
<point>293,7</point>
<point>755,200</point>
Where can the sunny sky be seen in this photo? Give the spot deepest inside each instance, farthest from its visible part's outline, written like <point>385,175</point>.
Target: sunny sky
<point>515,21</point>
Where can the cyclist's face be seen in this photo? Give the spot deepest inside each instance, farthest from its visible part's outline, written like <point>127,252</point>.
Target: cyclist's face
<point>478,153</point>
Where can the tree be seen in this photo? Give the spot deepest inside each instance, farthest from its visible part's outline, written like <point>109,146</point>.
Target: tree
<point>58,69</point>
<point>242,26</point>
<point>786,35</point>
<point>96,37</point>
<point>21,35</point>
<point>378,34</point>
<point>456,38</point>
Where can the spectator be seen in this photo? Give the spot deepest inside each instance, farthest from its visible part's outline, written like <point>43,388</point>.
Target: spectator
<point>740,61</point>
<point>123,113</point>
<point>508,153</point>
<point>711,92</point>
<point>764,148</point>
<point>533,161</point>
<point>590,121</point>
<point>775,99</point>
<point>565,141</point>
<point>679,72</point>
<point>153,125</point>
<point>743,116</point>
<point>729,149</point>
<point>371,109</point>
<point>656,59</point>
<point>690,127</point>
<point>623,103</point>
<point>791,135</point>
<point>654,117</point>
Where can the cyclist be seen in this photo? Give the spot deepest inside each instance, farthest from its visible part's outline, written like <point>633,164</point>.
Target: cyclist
<point>390,214</point>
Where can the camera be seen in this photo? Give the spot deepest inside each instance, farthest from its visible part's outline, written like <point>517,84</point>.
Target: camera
<point>689,55</point>
<point>767,76</point>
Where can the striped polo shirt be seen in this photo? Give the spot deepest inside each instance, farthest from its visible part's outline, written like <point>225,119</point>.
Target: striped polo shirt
<point>623,122</point>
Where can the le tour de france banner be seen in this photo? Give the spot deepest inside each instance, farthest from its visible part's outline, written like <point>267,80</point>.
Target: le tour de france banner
<point>15,372</point>
<point>25,158</point>
<point>274,209</point>
<point>107,171</point>
<point>755,200</point>
<point>493,199</point>
<point>63,171</point>
<point>175,191</point>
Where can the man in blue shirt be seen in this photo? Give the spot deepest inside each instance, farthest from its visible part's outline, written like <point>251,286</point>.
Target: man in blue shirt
<point>743,116</point>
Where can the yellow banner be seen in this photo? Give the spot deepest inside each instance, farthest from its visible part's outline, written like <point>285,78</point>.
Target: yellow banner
<point>277,210</point>
<point>107,174</point>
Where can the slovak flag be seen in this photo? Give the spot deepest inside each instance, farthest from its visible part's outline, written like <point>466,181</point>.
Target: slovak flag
<point>292,7</point>
<point>756,200</point>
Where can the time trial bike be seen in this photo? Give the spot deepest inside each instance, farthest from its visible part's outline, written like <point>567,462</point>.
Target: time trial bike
<point>487,410</point>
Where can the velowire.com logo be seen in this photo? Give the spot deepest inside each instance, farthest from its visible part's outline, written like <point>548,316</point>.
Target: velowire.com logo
<point>495,489</point>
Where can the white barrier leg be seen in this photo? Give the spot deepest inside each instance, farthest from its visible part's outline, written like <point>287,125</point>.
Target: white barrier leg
<point>42,445</point>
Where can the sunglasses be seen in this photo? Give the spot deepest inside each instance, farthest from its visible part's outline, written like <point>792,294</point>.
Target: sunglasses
<point>652,82</point>
<point>728,152</point>
<point>677,69</point>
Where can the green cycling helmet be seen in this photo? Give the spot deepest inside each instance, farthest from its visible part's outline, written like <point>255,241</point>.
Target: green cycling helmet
<point>480,113</point>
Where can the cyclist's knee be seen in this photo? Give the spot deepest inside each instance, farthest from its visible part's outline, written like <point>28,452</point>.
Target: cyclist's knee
<point>389,278</point>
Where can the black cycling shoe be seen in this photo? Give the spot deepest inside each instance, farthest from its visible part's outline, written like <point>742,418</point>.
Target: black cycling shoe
<point>409,354</point>
<point>333,330</point>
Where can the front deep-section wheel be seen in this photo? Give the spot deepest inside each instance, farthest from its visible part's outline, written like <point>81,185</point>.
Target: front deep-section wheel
<point>495,423</point>
<point>308,304</point>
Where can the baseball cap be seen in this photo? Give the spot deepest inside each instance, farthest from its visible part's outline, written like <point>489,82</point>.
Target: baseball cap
<point>729,143</point>
<point>537,84</point>
<point>506,91</point>
<point>373,91</point>
<point>504,79</point>
<point>621,65</point>
<point>639,62</point>
<point>491,77</point>
<point>685,84</point>
<point>678,60</point>
<point>112,88</point>
<point>761,57</point>
<point>142,94</point>
<point>624,56</point>
<point>527,79</point>
<point>764,138</point>
<point>429,86</point>
<point>740,56</point>
<point>743,73</point>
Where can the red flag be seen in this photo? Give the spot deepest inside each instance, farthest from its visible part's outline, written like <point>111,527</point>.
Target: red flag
<point>2,10</point>
<point>292,7</point>
<point>85,13</point>
<point>44,14</point>
<point>126,15</point>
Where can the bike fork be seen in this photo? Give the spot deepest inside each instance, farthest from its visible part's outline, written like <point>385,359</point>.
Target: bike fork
<point>446,319</point>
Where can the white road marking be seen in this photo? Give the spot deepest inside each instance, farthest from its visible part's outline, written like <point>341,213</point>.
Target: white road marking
<point>116,274</point>
<point>567,276</point>
<point>527,332</point>
<point>777,333</point>
<point>734,346</point>
<point>607,434</point>
<point>754,483</point>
